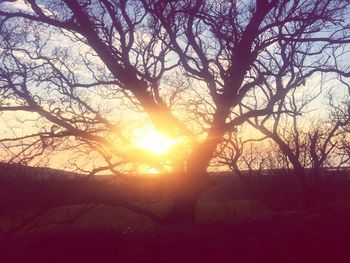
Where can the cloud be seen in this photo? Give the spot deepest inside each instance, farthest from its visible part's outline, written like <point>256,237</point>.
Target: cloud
<point>18,5</point>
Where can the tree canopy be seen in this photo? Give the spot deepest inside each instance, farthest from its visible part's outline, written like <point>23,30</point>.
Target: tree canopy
<point>196,70</point>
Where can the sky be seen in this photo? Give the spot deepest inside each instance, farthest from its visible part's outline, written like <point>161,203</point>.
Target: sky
<point>117,109</point>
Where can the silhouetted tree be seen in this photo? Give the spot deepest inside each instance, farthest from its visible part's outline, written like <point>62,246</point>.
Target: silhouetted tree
<point>308,144</point>
<point>128,49</point>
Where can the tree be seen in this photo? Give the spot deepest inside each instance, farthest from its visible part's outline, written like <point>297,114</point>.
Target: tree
<point>308,144</point>
<point>224,50</point>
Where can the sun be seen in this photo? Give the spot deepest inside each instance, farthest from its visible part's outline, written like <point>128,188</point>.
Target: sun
<point>153,141</point>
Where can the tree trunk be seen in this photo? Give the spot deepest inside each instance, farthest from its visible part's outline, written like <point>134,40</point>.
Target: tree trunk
<point>187,191</point>
<point>182,211</point>
<point>192,178</point>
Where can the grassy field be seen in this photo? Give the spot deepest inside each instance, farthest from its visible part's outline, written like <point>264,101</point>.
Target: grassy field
<point>230,227</point>
<point>122,218</point>
<point>115,235</point>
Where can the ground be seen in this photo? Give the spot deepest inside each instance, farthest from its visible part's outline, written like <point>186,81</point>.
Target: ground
<point>232,224</point>
<point>321,234</point>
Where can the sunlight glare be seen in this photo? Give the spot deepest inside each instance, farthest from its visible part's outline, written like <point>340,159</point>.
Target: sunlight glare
<point>153,171</point>
<point>153,141</point>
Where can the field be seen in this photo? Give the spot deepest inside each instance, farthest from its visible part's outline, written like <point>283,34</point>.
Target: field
<point>231,226</point>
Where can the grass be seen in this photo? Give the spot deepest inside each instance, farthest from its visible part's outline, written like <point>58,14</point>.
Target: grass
<point>121,218</point>
<point>207,211</point>
<point>232,230</point>
<point>250,235</point>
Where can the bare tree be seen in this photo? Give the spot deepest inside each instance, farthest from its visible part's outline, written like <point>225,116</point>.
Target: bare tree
<point>310,145</point>
<point>228,49</point>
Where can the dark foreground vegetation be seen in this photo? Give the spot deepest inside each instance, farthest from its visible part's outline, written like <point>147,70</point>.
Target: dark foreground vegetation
<point>47,216</point>
<point>320,235</point>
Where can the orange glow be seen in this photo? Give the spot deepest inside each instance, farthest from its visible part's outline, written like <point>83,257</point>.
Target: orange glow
<point>153,141</point>
<point>153,171</point>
